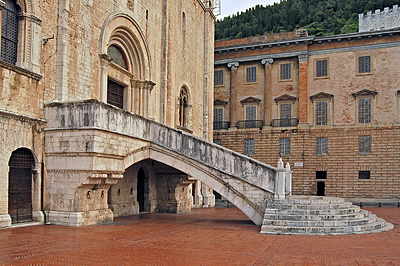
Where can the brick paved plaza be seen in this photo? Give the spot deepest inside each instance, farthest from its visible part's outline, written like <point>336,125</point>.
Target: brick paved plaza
<point>204,237</point>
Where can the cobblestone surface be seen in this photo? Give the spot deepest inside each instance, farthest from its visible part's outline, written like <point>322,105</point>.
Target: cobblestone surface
<point>203,237</point>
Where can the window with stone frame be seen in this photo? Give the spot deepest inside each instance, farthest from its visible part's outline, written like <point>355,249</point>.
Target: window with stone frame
<point>251,116</point>
<point>364,111</point>
<point>218,118</point>
<point>321,113</point>
<point>286,71</point>
<point>183,108</point>
<point>115,94</point>
<point>364,144</point>
<point>321,68</point>
<point>9,32</point>
<point>251,74</point>
<point>118,57</point>
<point>364,64</point>
<point>218,77</point>
<point>249,147</point>
<point>284,146</point>
<point>322,145</point>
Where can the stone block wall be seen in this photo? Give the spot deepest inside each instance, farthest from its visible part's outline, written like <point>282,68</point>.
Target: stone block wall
<point>380,20</point>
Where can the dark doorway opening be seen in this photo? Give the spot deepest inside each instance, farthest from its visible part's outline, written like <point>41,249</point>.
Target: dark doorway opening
<point>320,188</point>
<point>320,175</point>
<point>21,165</point>
<point>141,189</point>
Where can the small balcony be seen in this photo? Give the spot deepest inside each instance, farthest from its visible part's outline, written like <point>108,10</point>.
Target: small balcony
<point>221,124</point>
<point>288,122</point>
<point>250,124</point>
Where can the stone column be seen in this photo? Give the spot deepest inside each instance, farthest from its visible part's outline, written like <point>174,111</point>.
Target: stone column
<point>233,92</point>
<point>198,197</point>
<point>148,87</point>
<point>105,61</point>
<point>280,181</point>
<point>208,196</point>
<point>288,180</point>
<point>303,88</point>
<point>267,90</point>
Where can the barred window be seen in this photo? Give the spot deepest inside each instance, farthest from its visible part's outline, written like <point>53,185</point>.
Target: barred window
<point>218,77</point>
<point>364,144</point>
<point>217,141</point>
<point>218,114</point>
<point>322,145</point>
<point>364,111</point>
<point>286,111</point>
<point>364,175</point>
<point>321,113</point>
<point>249,147</point>
<point>284,146</point>
<point>321,68</point>
<point>251,112</point>
<point>251,74</point>
<point>286,71</point>
<point>9,32</point>
<point>364,64</point>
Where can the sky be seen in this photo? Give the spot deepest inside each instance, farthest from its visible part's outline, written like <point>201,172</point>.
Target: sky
<point>229,7</point>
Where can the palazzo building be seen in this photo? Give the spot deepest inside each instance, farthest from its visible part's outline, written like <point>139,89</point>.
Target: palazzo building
<point>330,106</point>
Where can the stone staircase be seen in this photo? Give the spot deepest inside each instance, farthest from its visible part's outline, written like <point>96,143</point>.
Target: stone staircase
<point>314,215</point>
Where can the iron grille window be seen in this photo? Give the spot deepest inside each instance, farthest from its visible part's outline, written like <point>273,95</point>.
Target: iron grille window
<point>286,111</point>
<point>322,145</point>
<point>321,68</point>
<point>217,141</point>
<point>115,94</point>
<point>284,146</point>
<point>251,74</point>
<point>218,114</point>
<point>9,32</point>
<point>286,71</point>
<point>364,144</point>
<point>364,64</point>
<point>321,113</point>
<point>218,77</point>
<point>364,175</point>
<point>251,112</point>
<point>364,111</point>
<point>249,147</point>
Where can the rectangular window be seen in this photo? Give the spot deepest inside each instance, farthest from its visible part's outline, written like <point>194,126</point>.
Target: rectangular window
<point>322,145</point>
<point>321,68</point>
<point>9,32</point>
<point>115,94</point>
<point>320,175</point>
<point>249,147</point>
<point>217,141</point>
<point>286,111</point>
<point>218,77</point>
<point>321,113</point>
<point>364,64</point>
<point>284,146</point>
<point>364,175</point>
<point>364,144</point>
<point>286,71</point>
<point>251,74</point>
<point>364,111</point>
<point>251,116</point>
<point>218,114</point>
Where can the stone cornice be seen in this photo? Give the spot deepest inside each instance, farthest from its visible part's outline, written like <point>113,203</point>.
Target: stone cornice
<point>285,97</point>
<point>250,100</point>
<point>267,61</point>
<point>220,102</point>
<point>25,118</point>
<point>321,95</point>
<point>364,92</point>
<point>258,57</point>
<point>233,64</point>
<point>20,70</point>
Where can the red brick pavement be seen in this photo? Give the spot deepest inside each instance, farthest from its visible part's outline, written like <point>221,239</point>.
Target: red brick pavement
<point>202,237</point>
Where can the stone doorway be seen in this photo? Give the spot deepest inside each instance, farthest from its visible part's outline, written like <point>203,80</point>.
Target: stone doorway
<point>21,166</point>
<point>141,177</point>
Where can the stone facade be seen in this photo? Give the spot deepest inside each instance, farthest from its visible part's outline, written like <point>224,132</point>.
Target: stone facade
<point>385,20</point>
<point>330,106</point>
<point>162,70</point>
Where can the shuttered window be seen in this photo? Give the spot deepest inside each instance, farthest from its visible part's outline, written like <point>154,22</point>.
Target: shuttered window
<point>218,114</point>
<point>251,74</point>
<point>364,111</point>
<point>364,144</point>
<point>321,68</point>
<point>218,77</point>
<point>321,113</point>
<point>115,94</point>
<point>251,112</point>
<point>322,145</point>
<point>249,147</point>
<point>284,146</point>
<point>9,32</point>
<point>286,111</point>
<point>364,64</point>
<point>286,71</point>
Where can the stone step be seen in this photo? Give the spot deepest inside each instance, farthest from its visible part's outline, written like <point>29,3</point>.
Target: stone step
<point>378,226</point>
<point>357,215</point>
<point>353,209</point>
<point>303,223</point>
<point>308,200</point>
<point>343,205</point>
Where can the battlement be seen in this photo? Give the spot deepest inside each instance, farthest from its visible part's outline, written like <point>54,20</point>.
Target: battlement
<point>387,19</point>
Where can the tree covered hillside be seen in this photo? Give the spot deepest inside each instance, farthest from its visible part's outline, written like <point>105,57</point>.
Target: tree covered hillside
<point>319,17</point>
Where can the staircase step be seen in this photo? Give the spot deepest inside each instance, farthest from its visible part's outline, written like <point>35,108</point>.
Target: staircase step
<point>359,215</point>
<point>296,206</point>
<point>353,209</point>
<point>303,223</point>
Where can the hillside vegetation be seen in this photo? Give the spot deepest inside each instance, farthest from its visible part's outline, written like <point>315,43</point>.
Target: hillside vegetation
<point>319,17</point>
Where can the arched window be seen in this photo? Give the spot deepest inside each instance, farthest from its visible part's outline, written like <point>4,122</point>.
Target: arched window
<point>9,32</point>
<point>117,56</point>
<point>183,106</point>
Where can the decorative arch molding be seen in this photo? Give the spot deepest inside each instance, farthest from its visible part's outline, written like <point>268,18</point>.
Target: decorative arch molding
<point>184,105</point>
